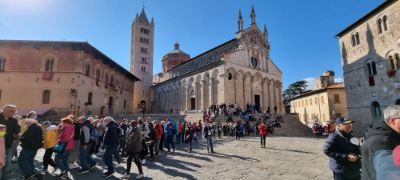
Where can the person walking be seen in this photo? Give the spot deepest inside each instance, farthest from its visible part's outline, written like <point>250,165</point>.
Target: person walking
<point>189,136</point>
<point>150,141</point>
<point>343,156</point>
<point>144,130</point>
<point>50,140</point>
<point>380,141</point>
<point>85,156</point>
<point>6,118</point>
<point>169,131</point>
<point>66,139</point>
<point>208,136</point>
<point>262,129</point>
<point>31,142</point>
<point>238,131</point>
<point>158,131</point>
<point>74,155</point>
<point>110,144</point>
<point>2,147</point>
<point>133,149</point>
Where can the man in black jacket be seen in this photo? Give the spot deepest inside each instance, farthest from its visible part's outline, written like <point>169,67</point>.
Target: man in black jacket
<point>382,136</point>
<point>31,141</point>
<point>6,118</point>
<point>111,145</point>
<point>344,158</point>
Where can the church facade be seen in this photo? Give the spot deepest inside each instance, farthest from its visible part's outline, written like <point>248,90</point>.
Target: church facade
<point>239,71</point>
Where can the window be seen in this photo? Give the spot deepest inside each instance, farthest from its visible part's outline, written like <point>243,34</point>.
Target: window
<point>112,80</point>
<point>87,69</point>
<point>336,99</point>
<point>396,103</point>
<point>382,24</point>
<point>322,100</point>
<point>310,101</point>
<point>316,100</point>
<point>143,50</point>
<point>144,40</point>
<point>2,63</point>
<point>97,75</point>
<point>392,63</point>
<point>48,67</point>
<point>385,26</point>
<point>46,97</point>
<point>397,60</point>
<point>144,31</point>
<point>376,109</point>
<point>143,69</point>
<point>144,60</point>
<point>90,98</point>
<point>124,104</point>
<point>106,79</point>
<point>371,69</point>
<point>355,39</point>
<point>254,62</point>
<point>379,25</point>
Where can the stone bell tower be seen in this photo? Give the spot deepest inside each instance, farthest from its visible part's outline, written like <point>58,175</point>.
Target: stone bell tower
<point>142,48</point>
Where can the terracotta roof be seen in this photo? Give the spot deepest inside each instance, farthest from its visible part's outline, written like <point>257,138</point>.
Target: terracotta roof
<point>85,46</point>
<point>375,11</point>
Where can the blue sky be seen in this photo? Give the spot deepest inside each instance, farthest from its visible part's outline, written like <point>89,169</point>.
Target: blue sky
<point>302,32</point>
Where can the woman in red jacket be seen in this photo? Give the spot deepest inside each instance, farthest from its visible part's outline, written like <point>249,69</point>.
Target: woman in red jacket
<point>159,132</point>
<point>66,137</point>
<point>262,128</point>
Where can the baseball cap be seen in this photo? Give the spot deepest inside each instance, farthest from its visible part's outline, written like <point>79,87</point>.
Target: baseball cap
<point>343,120</point>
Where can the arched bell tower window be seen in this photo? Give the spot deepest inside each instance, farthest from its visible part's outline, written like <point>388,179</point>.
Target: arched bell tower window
<point>254,62</point>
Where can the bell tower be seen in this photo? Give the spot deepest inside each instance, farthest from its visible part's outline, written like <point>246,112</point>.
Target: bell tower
<point>142,48</point>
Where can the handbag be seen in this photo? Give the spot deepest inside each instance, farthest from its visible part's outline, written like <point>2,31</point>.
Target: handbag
<point>59,148</point>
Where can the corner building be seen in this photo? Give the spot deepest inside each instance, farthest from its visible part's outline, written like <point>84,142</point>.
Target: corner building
<point>370,50</point>
<point>57,78</point>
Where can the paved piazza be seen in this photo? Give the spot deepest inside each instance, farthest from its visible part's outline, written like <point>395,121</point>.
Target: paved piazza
<point>284,158</point>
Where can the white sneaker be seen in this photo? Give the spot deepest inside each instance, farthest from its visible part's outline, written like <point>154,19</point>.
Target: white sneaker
<point>73,166</point>
<point>139,176</point>
<point>144,161</point>
<point>126,176</point>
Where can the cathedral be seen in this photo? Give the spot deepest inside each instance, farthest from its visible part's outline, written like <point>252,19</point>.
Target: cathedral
<point>239,71</point>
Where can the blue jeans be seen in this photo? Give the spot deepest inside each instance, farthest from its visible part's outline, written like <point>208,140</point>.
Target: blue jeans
<point>209,144</point>
<point>25,161</point>
<point>62,160</point>
<point>170,142</point>
<point>107,158</point>
<point>85,158</point>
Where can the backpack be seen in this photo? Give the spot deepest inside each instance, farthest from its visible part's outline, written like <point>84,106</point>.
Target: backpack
<point>94,135</point>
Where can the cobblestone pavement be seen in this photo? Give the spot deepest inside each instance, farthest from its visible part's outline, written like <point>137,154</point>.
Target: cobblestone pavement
<point>284,158</point>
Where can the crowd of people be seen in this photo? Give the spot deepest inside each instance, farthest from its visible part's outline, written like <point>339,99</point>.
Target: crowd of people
<point>74,141</point>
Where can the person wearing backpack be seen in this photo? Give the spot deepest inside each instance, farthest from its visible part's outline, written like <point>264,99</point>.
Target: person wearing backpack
<point>85,157</point>
<point>31,142</point>
<point>133,148</point>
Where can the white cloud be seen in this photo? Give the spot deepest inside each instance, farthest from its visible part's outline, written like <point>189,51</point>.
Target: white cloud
<point>338,79</point>
<point>310,83</point>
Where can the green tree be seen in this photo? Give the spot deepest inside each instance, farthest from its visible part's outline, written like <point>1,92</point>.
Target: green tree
<point>293,90</point>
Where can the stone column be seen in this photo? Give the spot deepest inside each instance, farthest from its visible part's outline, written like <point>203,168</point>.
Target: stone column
<point>262,95</point>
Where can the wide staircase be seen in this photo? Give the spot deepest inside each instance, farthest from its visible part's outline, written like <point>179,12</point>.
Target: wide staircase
<point>292,127</point>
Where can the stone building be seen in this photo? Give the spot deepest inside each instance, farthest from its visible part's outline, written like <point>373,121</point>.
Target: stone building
<point>370,49</point>
<point>239,71</point>
<point>62,77</point>
<point>142,49</point>
<point>327,101</point>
